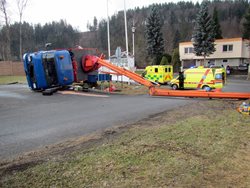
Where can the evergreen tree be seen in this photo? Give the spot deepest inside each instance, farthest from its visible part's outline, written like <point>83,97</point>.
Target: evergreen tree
<point>246,25</point>
<point>203,35</point>
<point>176,39</point>
<point>164,61</point>
<point>168,56</point>
<point>94,26</point>
<point>95,23</point>
<point>176,60</point>
<point>155,43</point>
<point>217,29</point>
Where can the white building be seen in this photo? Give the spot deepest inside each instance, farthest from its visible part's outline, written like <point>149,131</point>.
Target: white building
<point>232,52</point>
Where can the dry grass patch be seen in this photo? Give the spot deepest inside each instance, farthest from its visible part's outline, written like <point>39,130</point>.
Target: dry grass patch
<point>12,79</point>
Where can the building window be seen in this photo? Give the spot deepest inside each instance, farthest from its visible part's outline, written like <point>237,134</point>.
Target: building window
<point>189,50</point>
<point>230,47</point>
<point>225,61</point>
<point>227,48</point>
<point>156,69</point>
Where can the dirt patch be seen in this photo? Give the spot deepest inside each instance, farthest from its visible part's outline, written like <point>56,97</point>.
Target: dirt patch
<point>51,152</point>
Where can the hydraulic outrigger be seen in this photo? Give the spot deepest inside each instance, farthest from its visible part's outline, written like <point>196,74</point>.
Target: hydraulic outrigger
<point>156,91</point>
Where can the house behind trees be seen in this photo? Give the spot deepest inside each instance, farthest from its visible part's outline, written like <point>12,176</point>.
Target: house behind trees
<point>231,52</point>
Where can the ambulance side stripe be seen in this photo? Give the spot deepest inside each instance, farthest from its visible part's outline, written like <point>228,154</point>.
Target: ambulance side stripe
<point>203,78</point>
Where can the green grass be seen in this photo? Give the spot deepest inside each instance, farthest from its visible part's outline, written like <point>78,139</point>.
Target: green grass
<point>208,147</point>
<point>12,79</point>
<point>139,72</point>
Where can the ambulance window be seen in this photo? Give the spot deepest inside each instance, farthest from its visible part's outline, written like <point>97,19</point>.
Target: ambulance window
<point>156,69</point>
<point>166,69</point>
<point>169,69</point>
<point>218,76</point>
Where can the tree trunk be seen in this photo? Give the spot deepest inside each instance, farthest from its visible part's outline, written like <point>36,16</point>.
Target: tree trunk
<point>7,51</point>
<point>21,6</point>
<point>20,40</point>
<point>203,62</point>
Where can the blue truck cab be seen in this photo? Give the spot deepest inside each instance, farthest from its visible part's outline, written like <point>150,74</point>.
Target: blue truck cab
<point>48,69</point>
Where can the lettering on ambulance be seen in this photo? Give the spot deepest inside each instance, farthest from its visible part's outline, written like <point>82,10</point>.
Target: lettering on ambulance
<point>203,78</point>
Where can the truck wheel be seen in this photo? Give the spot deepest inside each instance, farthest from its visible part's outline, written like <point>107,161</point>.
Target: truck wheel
<point>174,87</point>
<point>47,92</point>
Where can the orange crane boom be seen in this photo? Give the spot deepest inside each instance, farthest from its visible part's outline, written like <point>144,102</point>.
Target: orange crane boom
<point>126,72</point>
<point>201,93</point>
<point>155,91</point>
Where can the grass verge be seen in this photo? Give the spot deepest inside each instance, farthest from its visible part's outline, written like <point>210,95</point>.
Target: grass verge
<point>207,146</point>
<point>12,79</point>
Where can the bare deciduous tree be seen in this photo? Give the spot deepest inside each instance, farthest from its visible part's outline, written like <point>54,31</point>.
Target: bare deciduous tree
<point>21,4</point>
<point>6,46</point>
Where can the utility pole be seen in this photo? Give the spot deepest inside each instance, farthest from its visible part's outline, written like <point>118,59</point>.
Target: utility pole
<point>126,28</point>
<point>108,29</point>
<point>248,77</point>
<point>133,37</point>
<point>248,47</point>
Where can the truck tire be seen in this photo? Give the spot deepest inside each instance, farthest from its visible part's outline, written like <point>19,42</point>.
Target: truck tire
<point>47,92</point>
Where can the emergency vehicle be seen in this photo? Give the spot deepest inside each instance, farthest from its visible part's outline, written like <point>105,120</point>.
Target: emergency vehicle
<point>159,73</point>
<point>201,78</point>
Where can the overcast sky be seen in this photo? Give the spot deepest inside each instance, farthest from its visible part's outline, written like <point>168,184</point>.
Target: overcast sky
<point>76,12</point>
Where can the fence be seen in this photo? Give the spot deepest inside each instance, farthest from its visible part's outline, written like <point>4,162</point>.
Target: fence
<point>9,68</point>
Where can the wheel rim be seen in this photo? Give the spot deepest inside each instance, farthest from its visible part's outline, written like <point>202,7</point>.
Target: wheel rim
<point>206,88</point>
<point>174,87</point>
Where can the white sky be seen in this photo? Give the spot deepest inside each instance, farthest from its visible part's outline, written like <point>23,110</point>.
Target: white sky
<point>76,12</point>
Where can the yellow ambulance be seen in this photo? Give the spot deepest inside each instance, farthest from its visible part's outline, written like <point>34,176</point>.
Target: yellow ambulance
<point>161,74</point>
<point>201,78</point>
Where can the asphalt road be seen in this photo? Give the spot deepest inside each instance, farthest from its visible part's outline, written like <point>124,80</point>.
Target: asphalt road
<point>30,121</point>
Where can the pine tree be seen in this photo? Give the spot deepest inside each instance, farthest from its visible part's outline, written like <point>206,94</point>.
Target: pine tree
<point>246,25</point>
<point>176,60</point>
<point>155,43</point>
<point>176,39</point>
<point>93,27</point>
<point>164,61</point>
<point>203,35</point>
<point>217,29</point>
<point>95,23</point>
